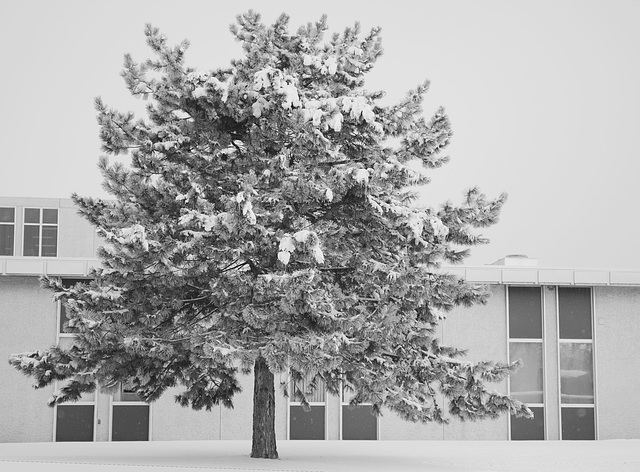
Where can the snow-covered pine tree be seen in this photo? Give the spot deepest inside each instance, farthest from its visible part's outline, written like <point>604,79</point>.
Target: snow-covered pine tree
<point>265,222</point>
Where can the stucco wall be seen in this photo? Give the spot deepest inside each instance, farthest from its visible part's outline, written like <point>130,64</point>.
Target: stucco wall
<point>76,236</point>
<point>617,334</point>
<point>482,330</point>
<point>27,323</point>
<point>172,422</point>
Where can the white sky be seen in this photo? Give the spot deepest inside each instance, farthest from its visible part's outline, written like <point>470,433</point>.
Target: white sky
<point>544,97</point>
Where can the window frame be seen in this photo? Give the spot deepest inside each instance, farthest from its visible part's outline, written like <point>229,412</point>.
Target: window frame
<point>291,403</point>
<point>15,225</point>
<point>344,403</point>
<point>80,402</point>
<point>60,334</point>
<point>559,342</point>
<point>40,226</point>
<point>543,342</point>
<point>113,403</point>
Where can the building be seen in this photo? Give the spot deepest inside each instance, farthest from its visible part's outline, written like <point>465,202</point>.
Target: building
<point>575,330</point>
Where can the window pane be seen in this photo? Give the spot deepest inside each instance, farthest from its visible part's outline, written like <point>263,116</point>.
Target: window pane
<point>49,241</point>
<point>74,423</point>
<point>32,215</point>
<point>527,383</point>
<point>68,283</point>
<point>574,308</point>
<point>523,429</point>
<point>306,424</point>
<point>6,240</point>
<point>525,312</point>
<point>578,423</point>
<point>31,241</point>
<point>359,423</point>
<point>50,216</point>
<point>7,215</point>
<point>64,328</point>
<point>130,423</point>
<point>576,373</point>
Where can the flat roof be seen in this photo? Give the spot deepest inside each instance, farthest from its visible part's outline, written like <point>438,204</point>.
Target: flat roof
<point>489,274</point>
<point>495,274</point>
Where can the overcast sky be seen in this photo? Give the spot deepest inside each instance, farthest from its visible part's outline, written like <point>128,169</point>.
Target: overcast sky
<point>544,98</point>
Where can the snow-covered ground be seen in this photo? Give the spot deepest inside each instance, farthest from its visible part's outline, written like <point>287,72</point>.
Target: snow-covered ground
<point>329,456</point>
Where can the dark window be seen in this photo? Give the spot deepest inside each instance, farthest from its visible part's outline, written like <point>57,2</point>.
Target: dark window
<point>306,424</point>
<point>32,215</point>
<point>7,227</point>
<point>130,423</point>
<point>74,423</point>
<point>31,240</point>
<point>40,232</point>
<point>50,216</point>
<point>525,312</point>
<point>7,215</point>
<point>578,423</point>
<point>64,320</point>
<point>528,430</point>
<point>63,327</point>
<point>49,241</point>
<point>574,308</point>
<point>358,422</point>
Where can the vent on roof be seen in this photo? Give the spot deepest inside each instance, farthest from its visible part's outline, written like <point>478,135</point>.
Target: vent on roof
<point>516,260</point>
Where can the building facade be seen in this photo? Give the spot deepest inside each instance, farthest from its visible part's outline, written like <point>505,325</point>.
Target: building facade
<point>575,331</point>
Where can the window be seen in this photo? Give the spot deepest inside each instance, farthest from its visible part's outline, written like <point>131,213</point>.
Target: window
<point>131,416</point>
<point>526,344</point>
<point>40,232</point>
<point>75,421</point>
<point>7,227</point>
<point>358,421</point>
<point>575,347</point>
<point>63,320</point>
<point>308,424</point>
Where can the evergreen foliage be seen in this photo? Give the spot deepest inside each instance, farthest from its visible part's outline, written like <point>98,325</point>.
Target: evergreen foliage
<point>267,213</point>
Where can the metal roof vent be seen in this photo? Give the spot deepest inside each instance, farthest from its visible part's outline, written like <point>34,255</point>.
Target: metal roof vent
<point>516,260</point>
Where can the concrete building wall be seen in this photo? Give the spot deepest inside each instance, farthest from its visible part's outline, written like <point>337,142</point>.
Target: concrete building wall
<point>27,321</point>
<point>171,422</point>
<point>482,330</point>
<point>76,236</point>
<point>617,334</point>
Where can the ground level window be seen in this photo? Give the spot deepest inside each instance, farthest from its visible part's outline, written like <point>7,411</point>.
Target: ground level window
<point>308,423</point>
<point>578,423</point>
<point>130,416</point>
<point>130,423</point>
<point>74,422</point>
<point>528,430</point>
<point>359,423</point>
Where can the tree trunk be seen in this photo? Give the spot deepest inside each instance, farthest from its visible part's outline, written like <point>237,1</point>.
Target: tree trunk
<point>264,412</point>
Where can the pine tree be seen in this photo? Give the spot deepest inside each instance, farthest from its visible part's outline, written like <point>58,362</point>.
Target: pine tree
<point>266,222</point>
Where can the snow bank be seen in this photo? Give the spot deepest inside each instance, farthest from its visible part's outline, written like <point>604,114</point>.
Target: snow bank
<point>329,456</point>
